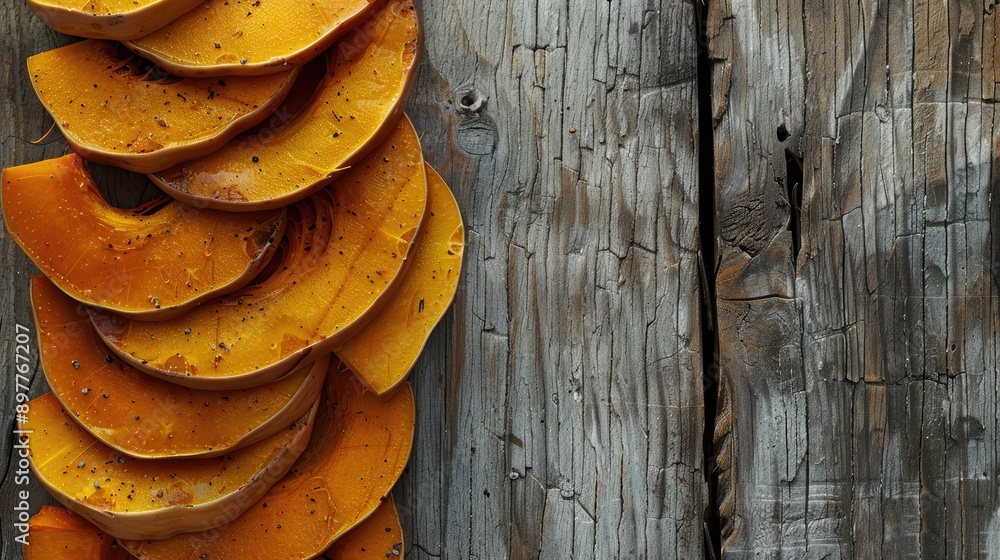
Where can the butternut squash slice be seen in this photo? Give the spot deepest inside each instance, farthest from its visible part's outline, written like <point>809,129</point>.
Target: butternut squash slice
<point>357,452</point>
<point>56,534</point>
<point>369,74</point>
<point>118,20</point>
<point>155,261</point>
<point>109,113</point>
<point>152,498</point>
<point>376,538</point>
<point>240,37</point>
<point>104,395</point>
<point>385,350</point>
<point>311,76</point>
<point>343,250</point>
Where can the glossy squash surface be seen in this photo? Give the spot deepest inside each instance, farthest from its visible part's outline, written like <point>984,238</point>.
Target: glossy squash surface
<point>141,263</point>
<point>385,350</point>
<point>343,250</point>
<point>369,74</point>
<point>240,37</point>
<point>152,498</point>
<point>376,538</point>
<point>110,113</point>
<point>59,534</point>
<point>104,394</point>
<point>358,450</point>
<point>118,20</point>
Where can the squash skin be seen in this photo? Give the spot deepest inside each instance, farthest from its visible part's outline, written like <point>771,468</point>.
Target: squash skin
<point>385,350</point>
<point>344,250</point>
<point>104,394</point>
<point>122,24</point>
<point>376,538</point>
<point>369,76</point>
<point>110,114</point>
<point>89,478</point>
<point>142,266</point>
<point>223,38</point>
<point>357,452</point>
<point>58,533</point>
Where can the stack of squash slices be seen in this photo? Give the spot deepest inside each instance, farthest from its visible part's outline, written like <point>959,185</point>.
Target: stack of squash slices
<point>228,363</point>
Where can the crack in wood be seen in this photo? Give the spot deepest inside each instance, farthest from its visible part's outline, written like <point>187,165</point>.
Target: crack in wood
<point>708,265</point>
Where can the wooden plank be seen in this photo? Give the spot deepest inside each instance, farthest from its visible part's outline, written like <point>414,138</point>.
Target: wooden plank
<point>859,373</point>
<point>561,409</point>
<point>573,391</point>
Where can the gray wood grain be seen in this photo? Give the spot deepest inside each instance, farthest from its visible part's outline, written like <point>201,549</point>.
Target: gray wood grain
<point>859,374</point>
<point>560,403</point>
<point>572,387</point>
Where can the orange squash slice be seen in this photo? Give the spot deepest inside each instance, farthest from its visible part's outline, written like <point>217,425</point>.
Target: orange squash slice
<point>357,452</point>
<point>152,498</point>
<point>104,395</point>
<point>140,264</point>
<point>343,250</point>
<point>56,533</point>
<point>376,538</point>
<point>240,37</point>
<point>311,75</point>
<point>109,113</point>
<point>119,20</point>
<point>369,74</point>
<point>385,350</point>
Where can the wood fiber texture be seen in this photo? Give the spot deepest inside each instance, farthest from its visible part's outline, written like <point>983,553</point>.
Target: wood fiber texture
<point>560,402</point>
<point>857,309</point>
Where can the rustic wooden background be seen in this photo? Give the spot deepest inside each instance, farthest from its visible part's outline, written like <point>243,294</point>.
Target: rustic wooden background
<point>560,404</point>
<point>802,282</point>
<point>855,164</point>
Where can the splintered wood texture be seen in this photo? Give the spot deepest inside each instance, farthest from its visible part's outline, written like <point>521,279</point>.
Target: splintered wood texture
<point>858,327</point>
<point>566,416</point>
<point>559,403</point>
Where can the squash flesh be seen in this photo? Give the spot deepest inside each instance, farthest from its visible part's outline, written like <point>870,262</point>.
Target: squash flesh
<point>357,452</point>
<point>104,394</point>
<point>118,20</point>
<point>111,114</point>
<point>142,265</point>
<point>386,349</point>
<point>151,498</point>
<point>378,537</point>
<point>57,533</point>
<point>369,74</point>
<point>239,37</point>
<point>343,249</point>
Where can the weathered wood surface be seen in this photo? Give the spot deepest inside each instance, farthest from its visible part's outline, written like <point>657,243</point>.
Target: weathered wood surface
<point>560,403</point>
<point>858,333</point>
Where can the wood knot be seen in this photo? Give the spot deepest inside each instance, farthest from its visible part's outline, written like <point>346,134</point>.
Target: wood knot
<point>471,101</point>
<point>477,133</point>
<point>478,137</point>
